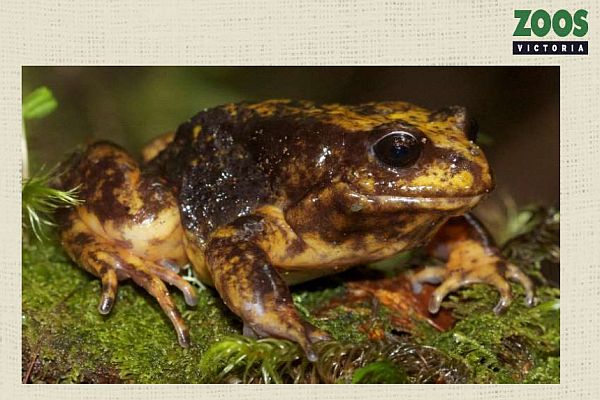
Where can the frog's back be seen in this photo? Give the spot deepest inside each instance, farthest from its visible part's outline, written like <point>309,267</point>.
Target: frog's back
<point>226,161</point>
<point>211,172</point>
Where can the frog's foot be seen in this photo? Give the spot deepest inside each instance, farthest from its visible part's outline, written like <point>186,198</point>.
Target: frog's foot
<point>254,290</point>
<point>471,263</point>
<point>151,276</point>
<point>309,331</point>
<point>111,263</point>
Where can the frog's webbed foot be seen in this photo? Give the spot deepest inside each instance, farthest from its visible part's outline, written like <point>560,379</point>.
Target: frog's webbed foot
<point>470,262</point>
<point>253,289</point>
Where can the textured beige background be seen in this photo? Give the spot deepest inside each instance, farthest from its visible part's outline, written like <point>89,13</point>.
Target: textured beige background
<point>67,32</point>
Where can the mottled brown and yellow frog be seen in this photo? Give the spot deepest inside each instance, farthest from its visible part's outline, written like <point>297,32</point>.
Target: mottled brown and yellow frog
<point>258,196</point>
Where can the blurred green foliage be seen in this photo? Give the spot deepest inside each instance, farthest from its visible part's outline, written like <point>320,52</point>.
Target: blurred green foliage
<point>39,103</point>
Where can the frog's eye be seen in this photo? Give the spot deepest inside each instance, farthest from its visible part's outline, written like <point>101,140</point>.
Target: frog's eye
<point>397,149</point>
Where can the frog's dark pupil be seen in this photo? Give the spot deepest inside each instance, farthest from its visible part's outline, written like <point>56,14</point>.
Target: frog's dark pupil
<point>398,149</point>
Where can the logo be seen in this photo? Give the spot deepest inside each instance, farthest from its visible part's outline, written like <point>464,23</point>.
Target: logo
<point>561,24</point>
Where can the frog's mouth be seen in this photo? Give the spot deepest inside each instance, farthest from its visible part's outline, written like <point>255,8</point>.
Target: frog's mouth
<point>388,204</point>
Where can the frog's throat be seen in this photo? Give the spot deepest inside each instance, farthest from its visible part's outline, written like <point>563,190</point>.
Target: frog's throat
<point>361,203</point>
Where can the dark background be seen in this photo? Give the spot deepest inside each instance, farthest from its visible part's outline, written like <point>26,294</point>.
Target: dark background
<point>517,108</point>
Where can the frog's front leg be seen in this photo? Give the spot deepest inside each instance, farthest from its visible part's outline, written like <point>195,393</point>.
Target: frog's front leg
<point>127,227</point>
<point>252,287</point>
<point>471,258</point>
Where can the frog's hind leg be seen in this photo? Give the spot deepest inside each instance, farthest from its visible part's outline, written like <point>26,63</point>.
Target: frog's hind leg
<point>127,227</point>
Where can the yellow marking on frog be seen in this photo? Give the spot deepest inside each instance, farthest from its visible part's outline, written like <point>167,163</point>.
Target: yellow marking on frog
<point>267,108</point>
<point>196,131</point>
<point>224,232</point>
<point>367,185</point>
<point>321,255</point>
<point>351,120</point>
<point>409,113</point>
<point>453,139</point>
<point>231,109</point>
<point>358,124</point>
<point>130,198</point>
<point>460,180</point>
<point>399,115</point>
<point>195,253</point>
<point>432,177</point>
<point>463,180</point>
<point>347,117</point>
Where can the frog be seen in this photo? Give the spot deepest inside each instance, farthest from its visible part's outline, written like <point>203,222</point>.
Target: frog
<point>258,196</point>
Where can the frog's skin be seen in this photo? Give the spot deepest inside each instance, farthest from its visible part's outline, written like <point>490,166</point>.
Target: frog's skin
<point>257,196</point>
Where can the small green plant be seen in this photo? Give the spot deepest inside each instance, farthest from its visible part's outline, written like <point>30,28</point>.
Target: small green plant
<point>244,360</point>
<point>39,199</point>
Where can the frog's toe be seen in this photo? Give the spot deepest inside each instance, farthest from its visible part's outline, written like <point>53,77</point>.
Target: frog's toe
<point>306,340</point>
<point>167,274</point>
<point>159,291</point>
<point>317,335</point>
<point>150,276</point>
<point>111,264</point>
<point>516,275</point>
<point>500,283</point>
<point>449,285</point>
<point>298,331</point>
<point>427,275</point>
<point>306,335</point>
<point>110,284</point>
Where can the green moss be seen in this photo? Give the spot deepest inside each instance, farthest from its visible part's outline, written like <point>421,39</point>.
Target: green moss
<point>502,349</point>
<point>136,342</point>
<point>548,372</point>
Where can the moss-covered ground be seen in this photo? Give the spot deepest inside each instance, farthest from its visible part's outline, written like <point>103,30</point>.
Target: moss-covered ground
<point>382,333</point>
